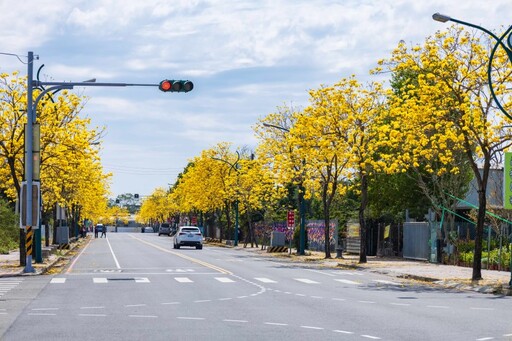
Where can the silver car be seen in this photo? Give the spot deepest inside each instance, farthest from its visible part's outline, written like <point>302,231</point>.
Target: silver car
<point>164,228</point>
<point>188,236</point>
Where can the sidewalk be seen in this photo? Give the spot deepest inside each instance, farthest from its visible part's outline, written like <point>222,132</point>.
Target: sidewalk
<point>10,263</point>
<point>447,276</point>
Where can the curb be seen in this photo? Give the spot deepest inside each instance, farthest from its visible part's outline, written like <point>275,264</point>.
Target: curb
<point>38,270</point>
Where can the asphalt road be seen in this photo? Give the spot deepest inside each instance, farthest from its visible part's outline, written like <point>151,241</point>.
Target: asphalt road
<point>137,287</point>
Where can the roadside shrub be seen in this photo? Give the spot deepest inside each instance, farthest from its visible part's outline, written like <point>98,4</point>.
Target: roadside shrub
<point>9,229</point>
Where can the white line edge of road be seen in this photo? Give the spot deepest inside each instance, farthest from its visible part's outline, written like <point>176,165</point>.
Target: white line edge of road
<point>74,261</point>
<point>113,254</point>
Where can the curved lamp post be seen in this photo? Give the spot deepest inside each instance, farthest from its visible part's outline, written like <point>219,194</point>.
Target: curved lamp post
<point>499,42</point>
<point>508,49</point>
<point>302,204</point>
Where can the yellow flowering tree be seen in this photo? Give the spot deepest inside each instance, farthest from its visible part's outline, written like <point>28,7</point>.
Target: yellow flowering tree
<point>70,172</point>
<point>447,108</point>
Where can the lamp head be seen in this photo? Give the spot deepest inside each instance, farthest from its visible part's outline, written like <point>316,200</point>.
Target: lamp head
<point>441,17</point>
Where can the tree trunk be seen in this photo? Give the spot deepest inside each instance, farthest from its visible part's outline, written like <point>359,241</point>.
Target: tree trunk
<point>362,221</point>
<point>477,259</point>
<point>228,220</point>
<point>327,228</point>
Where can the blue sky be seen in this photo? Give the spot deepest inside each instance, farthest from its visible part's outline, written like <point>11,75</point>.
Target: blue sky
<point>245,58</point>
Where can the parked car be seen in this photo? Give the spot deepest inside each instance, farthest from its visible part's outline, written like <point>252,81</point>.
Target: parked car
<point>164,228</point>
<point>188,236</point>
<point>147,229</point>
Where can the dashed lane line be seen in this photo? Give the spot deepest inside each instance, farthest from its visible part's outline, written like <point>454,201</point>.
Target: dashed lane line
<point>306,280</point>
<point>346,281</point>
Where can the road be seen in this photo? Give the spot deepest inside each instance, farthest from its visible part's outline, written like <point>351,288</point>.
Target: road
<point>137,287</point>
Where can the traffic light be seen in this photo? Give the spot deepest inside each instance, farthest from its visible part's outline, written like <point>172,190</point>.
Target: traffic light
<point>175,85</point>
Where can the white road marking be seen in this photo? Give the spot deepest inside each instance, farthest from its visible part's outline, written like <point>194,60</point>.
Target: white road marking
<point>367,302</point>
<point>236,321</point>
<point>338,299</point>
<point>321,272</point>
<point>371,337</point>
<point>183,279</point>
<point>41,314</point>
<point>507,335</point>
<point>346,281</point>
<point>276,324</point>
<point>134,305</point>
<point>264,280</point>
<point>98,280</point>
<point>8,284</point>
<point>202,301</point>
<point>301,295</point>
<point>401,304</point>
<point>225,299</point>
<point>189,318</point>
<point>92,307</point>
<point>167,303</point>
<point>342,331</point>
<point>311,327</point>
<point>59,280</point>
<point>144,316</point>
<point>44,309</point>
<point>318,297</point>
<point>113,254</point>
<point>305,280</point>
<point>485,338</point>
<point>224,280</point>
<point>142,280</point>
<point>92,315</point>
<point>437,306</point>
<point>476,308</point>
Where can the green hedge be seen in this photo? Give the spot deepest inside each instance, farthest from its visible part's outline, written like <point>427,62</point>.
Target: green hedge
<point>9,229</point>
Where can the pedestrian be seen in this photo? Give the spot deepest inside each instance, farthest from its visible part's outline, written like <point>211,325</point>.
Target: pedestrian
<point>95,231</point>
<point>104,231</point>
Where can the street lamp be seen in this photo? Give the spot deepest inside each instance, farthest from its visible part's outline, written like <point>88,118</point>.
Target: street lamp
<point>508,49</point>
<point>234,166</point>
<point>499,42</point>
<point>302,202</point>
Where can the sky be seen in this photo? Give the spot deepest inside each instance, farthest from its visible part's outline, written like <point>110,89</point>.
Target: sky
<point>245,58</point>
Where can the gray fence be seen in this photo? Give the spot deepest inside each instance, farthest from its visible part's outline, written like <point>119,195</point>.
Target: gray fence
<point>416,240</point>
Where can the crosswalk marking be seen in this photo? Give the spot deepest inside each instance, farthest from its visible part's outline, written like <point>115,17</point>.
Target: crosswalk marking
<point>346,281</point>
<point>142,280</point>
<point>224,280</point>
<point>98,280</point>
<point>264,280</point>
<point>8,284</point>
<point>58,280</point>
<point>183,279</point>
<point>305,280</point>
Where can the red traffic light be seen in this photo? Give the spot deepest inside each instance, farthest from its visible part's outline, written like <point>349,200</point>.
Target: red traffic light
<point>165,85</point>
<point>176,85</point>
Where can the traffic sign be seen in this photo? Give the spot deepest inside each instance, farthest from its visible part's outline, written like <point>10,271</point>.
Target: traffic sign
<point>291,219</point>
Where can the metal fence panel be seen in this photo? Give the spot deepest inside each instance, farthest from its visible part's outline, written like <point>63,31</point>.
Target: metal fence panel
<point>416,239</point>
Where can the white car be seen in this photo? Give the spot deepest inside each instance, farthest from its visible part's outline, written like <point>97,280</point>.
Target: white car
<point>188,236</point>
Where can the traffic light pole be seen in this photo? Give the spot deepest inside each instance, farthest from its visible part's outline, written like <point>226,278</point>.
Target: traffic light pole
<point>29,137</point>
<point>29,159</point>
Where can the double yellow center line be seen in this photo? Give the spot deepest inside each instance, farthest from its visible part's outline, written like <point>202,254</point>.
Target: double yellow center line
<point>194,260</point>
